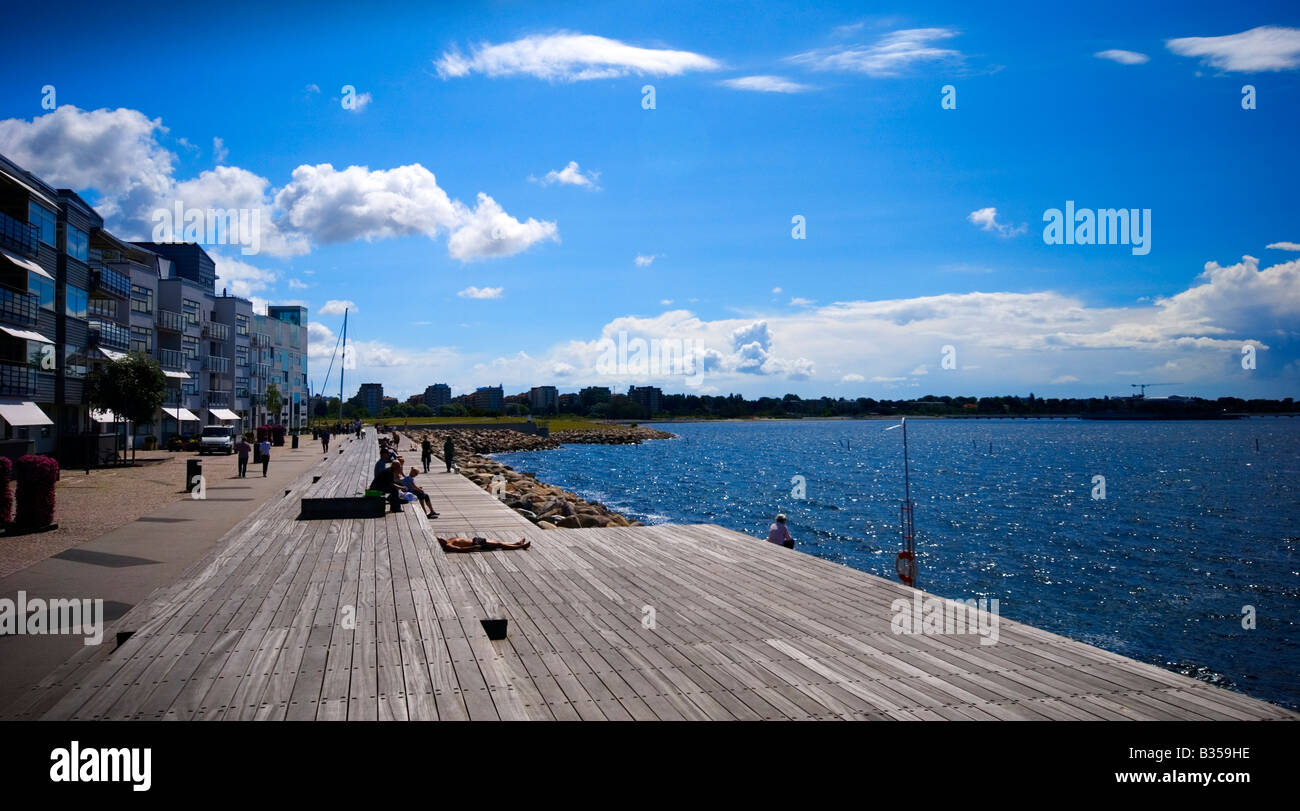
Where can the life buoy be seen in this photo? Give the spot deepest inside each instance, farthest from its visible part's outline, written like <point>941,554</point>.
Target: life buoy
<point>905,565</point>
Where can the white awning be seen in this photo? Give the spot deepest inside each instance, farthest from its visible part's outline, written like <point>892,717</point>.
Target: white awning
<point>32,189</point>
<point>23,413</point>
<point>27,335</point>
<point>223,414</point>
<point>179,375</point>
<point>106,416</point>
<point>112,354</point>
<point>181,414</point>
<point>26,264</point>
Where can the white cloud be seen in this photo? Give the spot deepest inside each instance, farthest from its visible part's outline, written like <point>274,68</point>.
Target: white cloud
<point>313,88</point>
<point>118,155</point>
<point>1065,379</point>
<point>920,370</point>
<point>294,284</point>
<point>1283,246</point>
<point>776,291</point>
<point>219,151</point>
<point>801,302</point>
<point>337,307</point>
<point>481,292</point>
<point>852,378</point>
<point>242,278</point>
<point>357,203</point>
<point>645,260</point>
<point>666,302</point>
<point>766,84</point>
<point>567,56</point>
<point>987,220</point>
<point>892,55</point>
<point>1123,57</point>
<point>1266,48</point>
<point>571,175</point>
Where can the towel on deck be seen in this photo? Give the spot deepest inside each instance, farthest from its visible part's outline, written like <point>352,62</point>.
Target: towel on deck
<point>475,544</point>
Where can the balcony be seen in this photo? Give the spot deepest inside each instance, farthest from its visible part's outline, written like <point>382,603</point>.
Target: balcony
<point>17,379</point>
<point>216,330</point>
<point>171,358</point>
<point>106,280</point>
<point>18,308</point>
<point>260,339</point>
<point>219,399</point>
<point>106,333</point>
<point>262,371</point>
<point>217,365</point>
<point>19,236</point>
<point>170,320</point>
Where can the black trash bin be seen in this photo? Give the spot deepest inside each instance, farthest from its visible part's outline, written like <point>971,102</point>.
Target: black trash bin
<point>193,467</point>
<point>295,442</point>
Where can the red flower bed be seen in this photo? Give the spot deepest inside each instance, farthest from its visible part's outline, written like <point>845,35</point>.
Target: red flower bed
<point>35,500</point>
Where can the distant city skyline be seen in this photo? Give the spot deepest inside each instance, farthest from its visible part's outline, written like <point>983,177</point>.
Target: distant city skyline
<point>819,201</point>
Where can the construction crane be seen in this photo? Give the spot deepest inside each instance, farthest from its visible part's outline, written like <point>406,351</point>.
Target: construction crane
<point>1143,387</point>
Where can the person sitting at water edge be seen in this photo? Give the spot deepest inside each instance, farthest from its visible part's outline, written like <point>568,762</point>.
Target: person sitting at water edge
<point>779,534</point>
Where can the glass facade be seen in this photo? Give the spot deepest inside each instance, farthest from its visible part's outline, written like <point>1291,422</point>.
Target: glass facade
<point>191,310</point>
<point>43,288</point>
<point>46,222</point>
<point>78,243</point>
<point>77,301</point>
<point>141,299</point>
<point>141,339</point>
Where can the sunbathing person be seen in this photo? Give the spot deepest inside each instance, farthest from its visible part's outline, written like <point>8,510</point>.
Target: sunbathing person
<point>476,544</point>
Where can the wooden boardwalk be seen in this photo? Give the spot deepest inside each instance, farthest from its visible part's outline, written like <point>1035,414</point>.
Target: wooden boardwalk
<point>370,619</point>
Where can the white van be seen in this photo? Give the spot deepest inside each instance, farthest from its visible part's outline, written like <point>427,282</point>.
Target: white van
<point>217,439</point>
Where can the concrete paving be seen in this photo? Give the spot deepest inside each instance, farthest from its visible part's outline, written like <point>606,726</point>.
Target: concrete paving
<point>124,565</point>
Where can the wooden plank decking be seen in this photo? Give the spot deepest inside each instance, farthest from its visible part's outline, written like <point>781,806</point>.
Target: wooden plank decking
<point>742,629</point>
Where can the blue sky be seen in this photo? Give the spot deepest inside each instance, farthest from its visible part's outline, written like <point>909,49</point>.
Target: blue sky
<point>484,205</point>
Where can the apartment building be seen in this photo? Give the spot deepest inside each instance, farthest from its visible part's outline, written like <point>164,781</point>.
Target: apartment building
<point>73,295</point>
<point>647,397</point>
<point>543,399</point>
<point>489,399</point>
<point>437,396</point>
<point>371,397</point>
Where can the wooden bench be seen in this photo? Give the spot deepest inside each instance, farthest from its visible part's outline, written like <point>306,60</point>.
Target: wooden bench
<point>337,490</point>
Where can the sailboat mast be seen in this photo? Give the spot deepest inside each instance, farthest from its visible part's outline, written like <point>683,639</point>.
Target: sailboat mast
<point>344,365</point>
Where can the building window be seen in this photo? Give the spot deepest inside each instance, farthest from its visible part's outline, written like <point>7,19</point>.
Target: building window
<point>241,356</point>
<point>141,339</point>
<point>76,301</point>
<point>74,363</point>
<point>45,221</point>
<point>41,355</point>
<point>103,307</point>
<point>43,288</point>
<point>78,243</point>
<point>190,345</point>
<point>241,324</point>
<point>141,299</point>
<point>191,311</point>
<point>241,387</point>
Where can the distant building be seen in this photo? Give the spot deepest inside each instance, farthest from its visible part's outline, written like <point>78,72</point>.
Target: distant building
<point>569,402</point>
<point>647,397</point>
<point>437,395</point>
<point>488,398</point>
<point>415,399</point>
<point>543,399</point>
<point>594,394</point>
<point>371,397</point>
<point>388,402</point>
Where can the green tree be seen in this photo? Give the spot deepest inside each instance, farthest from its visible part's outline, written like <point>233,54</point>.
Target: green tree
<point>133,387</point>
<point>273,401</point>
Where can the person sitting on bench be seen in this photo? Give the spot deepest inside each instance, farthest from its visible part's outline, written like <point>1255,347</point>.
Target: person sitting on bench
<point>425,501</point>
<point>385,481</point>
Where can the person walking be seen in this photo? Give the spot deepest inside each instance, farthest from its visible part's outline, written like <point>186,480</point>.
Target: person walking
<point>779,534</point>
<point>426,453</point>
<point>449,452</point>
<point>325,438</point>
<point>264,448</point>
<point>243,449</point>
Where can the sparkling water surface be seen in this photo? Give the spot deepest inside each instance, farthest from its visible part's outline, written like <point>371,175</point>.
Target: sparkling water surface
<point>1196,523</point>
